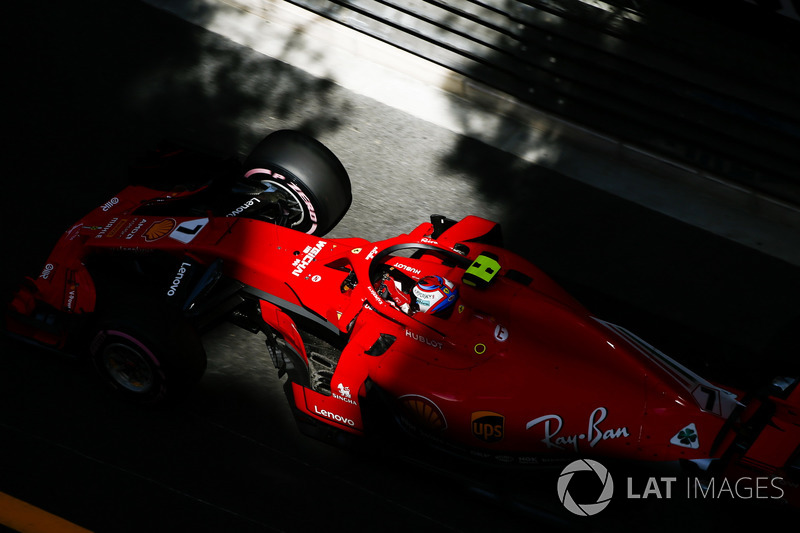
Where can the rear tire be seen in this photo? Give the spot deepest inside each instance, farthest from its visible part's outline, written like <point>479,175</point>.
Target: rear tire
<point>311,178</point>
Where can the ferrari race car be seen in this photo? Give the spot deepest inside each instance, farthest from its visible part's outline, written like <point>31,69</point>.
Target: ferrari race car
<point>443,331</point>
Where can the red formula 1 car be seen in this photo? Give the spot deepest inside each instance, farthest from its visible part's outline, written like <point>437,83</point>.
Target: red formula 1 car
<point>441,329</point>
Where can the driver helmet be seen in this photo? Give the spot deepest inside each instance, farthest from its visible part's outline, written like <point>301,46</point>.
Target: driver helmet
<point>435,294</point>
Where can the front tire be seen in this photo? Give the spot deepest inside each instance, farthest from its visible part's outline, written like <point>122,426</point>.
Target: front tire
<point>311,180</point>
<point>146,360</point>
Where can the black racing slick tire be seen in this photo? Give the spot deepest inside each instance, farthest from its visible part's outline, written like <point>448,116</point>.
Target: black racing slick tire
<point>311,178</point>
<point>145,358</point>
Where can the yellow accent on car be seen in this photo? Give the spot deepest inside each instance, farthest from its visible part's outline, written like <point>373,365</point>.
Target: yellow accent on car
<point>482,271</point>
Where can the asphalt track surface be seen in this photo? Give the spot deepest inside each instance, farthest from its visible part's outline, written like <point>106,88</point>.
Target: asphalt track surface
<point>93,85</point>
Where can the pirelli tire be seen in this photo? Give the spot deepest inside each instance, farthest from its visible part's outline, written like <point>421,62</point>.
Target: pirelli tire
<point>148,358</point>
<point>308,174</point>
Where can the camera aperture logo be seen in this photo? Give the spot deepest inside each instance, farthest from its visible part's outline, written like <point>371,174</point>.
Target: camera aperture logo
<point>745,488</point>
<point>585,509</point>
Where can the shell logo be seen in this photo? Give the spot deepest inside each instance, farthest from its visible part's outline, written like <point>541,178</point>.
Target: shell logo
<point>423,412</point>
<point>159,229</point>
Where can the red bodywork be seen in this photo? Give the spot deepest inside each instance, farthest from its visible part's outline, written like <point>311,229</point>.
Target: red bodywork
<point>519,371</point>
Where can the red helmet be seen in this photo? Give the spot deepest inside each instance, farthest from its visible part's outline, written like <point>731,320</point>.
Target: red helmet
<point>435,294</point>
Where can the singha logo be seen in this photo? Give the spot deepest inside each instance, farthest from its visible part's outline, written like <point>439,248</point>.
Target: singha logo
<point>344,391</point>
<point>344,394</point>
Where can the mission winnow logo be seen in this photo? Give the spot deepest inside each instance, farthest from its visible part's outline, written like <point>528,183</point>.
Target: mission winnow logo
<point>585,487</point>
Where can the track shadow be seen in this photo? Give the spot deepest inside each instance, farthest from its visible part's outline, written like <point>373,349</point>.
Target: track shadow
<point>703,299</point>
<point>95,84</point>
<point>724,308</point>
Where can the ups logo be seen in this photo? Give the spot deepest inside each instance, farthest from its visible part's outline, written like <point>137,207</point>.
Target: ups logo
<point>488,426</point>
